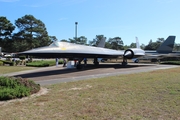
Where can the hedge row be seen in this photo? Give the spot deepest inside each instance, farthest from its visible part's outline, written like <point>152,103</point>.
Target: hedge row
<point>43,63</point>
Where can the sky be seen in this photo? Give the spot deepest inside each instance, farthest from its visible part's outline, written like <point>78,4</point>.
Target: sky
<point>145,19</point>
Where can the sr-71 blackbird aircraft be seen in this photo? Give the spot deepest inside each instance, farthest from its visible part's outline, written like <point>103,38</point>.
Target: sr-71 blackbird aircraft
<point>76,51</point>
<point>164,50</point>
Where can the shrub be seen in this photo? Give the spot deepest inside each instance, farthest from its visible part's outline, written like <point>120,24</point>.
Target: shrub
<point>11,88</point>
<point>171,62</point>
<point>60,61</point>
<point>38,64</point>
<point>6,62</point>
<point>43,63</point>
<point>9,57</point>
<point>22,57</point>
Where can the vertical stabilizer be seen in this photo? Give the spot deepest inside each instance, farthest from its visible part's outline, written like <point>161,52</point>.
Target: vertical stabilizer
<point>137,43</point>
<point>102,42</point>
<point>167,45</point>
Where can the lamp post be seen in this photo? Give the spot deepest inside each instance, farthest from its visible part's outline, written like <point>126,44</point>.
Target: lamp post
<point>76,30</point>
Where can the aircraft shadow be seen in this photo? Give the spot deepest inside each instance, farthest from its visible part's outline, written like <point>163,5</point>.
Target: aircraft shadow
<point>50,72</point>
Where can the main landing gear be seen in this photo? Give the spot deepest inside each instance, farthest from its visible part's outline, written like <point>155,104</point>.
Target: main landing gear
<point>96,63</point>
<point>124,63</point>
<point>79,66</point>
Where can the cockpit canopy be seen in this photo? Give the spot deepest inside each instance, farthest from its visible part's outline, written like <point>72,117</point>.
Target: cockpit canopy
<point>55,44</point>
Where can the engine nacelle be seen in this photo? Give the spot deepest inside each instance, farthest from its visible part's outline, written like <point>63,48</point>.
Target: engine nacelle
<point>128,54</point>
<point>133,53</point>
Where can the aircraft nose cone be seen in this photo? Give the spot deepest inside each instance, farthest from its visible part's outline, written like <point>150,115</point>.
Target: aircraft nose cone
<point>128,53</point>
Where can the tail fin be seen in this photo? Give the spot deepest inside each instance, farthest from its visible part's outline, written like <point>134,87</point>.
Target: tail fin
<point>137,43</point>
<point>102,42</point>
<point>167,45</point>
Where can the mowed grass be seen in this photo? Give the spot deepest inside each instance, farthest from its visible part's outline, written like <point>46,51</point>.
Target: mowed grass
<point>144,96</point>
<point>10,69</point>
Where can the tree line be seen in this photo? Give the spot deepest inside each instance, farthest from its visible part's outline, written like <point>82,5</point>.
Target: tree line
<point>32,33</point>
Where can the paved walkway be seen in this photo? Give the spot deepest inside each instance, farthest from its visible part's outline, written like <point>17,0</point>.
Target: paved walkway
<point>53,75</point>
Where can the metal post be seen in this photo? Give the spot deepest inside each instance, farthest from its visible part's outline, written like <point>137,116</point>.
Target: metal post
<point>57,62</point>
<point>0,52</point>
<point>76,30</point>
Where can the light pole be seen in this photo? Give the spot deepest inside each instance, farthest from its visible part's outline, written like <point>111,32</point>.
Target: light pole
<point>76,30</point>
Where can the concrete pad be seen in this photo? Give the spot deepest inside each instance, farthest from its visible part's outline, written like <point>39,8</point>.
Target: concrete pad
<point>53,75</point>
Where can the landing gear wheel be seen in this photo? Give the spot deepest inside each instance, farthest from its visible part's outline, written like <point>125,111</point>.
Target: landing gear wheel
<point>124,63</point>
<point>96,63</point>
<point>136,61</point>
<point>79,66</point>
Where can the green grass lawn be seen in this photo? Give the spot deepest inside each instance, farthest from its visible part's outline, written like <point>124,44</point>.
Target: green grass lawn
<point>32,65</point>
<point>10,69</point>
<point>143,96</point>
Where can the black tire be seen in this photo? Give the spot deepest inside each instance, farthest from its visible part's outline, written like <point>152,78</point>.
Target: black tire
<point>136,61</point>
<point>79,67</point>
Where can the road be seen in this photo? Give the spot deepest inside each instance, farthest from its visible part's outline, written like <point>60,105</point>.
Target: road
<point>58,74</point>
